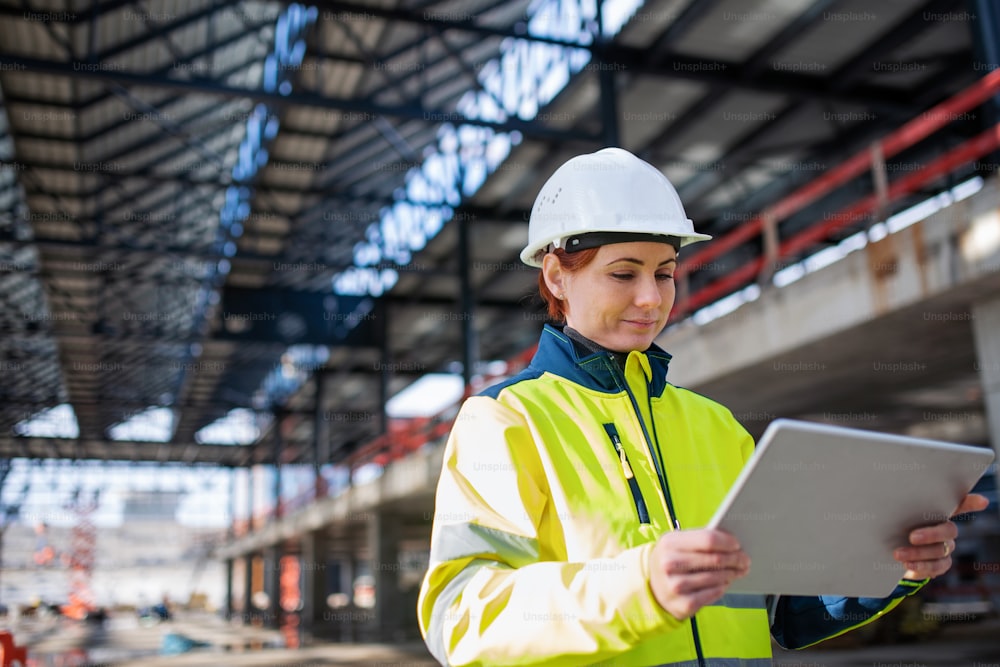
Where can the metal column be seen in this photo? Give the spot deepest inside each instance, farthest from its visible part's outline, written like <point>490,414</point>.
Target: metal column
<point>249,610</point>
<point>229,588</point>
<point>606,77</point>
<point>385,376</point>
<point>248,606</point>
<point>276,455</point>
<point>314,584</point>
<point>321,438</point>
<point>985,28</point>
<point>272,586</point>
<point>467,301</point>
<point>383,545</point>
<point>250,499</point>
<point>231,532</point>
<point>986,334</point>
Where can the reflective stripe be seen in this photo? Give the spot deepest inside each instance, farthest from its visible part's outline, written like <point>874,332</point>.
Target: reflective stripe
<point>435,630</point>
<point>722,662</point>
<point>742,601</point>
<point>455,541</point>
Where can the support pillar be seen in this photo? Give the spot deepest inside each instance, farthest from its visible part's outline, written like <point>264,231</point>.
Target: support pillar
<point>314,572</point>
<point>985,29</point>
<point>248,608</point>
<point>250,525</point>
<point>231,531</point>
<point>609,92</point>
<point>467,302</point>
<point>272,586</point>
<point>278,447</point>
<point>986,331</point>
<point>348,570</point>
<point>229,588</point>
<point>385,375</point>
<point>321,434</point>
<point>383,545</point>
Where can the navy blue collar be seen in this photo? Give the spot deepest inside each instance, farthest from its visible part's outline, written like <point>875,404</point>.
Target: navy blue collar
<point>558,354</point>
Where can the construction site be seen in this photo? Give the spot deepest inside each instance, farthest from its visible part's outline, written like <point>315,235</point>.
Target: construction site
<point>254,256</point>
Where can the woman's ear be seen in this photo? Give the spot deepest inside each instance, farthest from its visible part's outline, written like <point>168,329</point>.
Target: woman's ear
<point>554,275</point>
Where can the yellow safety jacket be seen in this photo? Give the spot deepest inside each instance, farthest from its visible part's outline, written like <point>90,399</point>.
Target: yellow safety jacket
<point>555,486</point>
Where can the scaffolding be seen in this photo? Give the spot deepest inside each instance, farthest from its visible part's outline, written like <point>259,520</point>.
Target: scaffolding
<point>83,548</point>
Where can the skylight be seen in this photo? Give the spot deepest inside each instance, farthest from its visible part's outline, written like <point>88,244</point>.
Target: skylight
<point>238,427</point>
<point>57,422</point>
<point>153,424</point>
<point>426,397</point>
<point>525,77</point>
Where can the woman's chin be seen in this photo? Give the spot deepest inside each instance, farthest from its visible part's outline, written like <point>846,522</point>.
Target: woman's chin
<point>633,340</point>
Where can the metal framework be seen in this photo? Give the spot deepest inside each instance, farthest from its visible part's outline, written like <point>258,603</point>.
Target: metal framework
<point>159,249</point>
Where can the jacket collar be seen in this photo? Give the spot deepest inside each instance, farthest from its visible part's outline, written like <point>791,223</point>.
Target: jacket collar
<point>560,355</point>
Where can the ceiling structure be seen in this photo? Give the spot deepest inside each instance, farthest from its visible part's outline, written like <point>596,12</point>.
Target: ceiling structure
<point>183,183</point>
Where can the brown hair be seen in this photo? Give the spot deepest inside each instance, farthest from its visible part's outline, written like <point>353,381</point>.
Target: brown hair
<point>569,262</point>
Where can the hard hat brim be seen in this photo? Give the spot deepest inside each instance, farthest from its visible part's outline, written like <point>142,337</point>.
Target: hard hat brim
<point>532,254</point>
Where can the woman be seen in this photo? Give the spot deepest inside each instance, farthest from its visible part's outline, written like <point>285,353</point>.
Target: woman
<point>567,526</point>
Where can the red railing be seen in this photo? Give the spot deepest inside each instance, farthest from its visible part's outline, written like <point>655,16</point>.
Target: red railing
<point>401,440</point>
<point>418,432</point>
<point>906,136</point>
<point>403,437</point>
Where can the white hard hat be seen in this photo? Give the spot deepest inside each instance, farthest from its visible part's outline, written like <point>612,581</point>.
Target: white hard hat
<point>610,191</point>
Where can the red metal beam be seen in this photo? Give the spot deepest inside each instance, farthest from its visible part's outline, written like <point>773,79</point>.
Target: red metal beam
<point>909,134</point>
<point>966,152</point>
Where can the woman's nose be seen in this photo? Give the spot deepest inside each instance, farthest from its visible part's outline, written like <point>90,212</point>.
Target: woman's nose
<point>648,294</point>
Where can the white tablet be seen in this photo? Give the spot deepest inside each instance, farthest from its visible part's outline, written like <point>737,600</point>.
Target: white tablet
<point>819,509</point>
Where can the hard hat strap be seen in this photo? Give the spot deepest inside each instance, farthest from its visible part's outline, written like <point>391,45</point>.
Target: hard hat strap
<point>580,242</point>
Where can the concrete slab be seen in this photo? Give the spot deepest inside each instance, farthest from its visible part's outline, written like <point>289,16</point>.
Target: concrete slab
<point>960,645</point>
<point>125,643</point>
<point>881,339</point>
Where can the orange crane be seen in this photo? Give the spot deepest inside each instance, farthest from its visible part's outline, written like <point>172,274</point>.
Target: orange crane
<point>83,541</point>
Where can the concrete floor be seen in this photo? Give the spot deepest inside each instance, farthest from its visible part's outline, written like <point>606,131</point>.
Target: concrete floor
<point>974,644</point>
<point>123,642</point>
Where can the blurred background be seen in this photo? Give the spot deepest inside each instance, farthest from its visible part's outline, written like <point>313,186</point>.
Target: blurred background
<point>254,254</point>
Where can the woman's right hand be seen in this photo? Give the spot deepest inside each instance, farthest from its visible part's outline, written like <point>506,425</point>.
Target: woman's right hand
<point>689,569</point>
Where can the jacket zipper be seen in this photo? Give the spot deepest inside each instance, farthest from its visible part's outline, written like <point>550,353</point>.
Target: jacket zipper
<point>633,483</point>
<point>661,475</point>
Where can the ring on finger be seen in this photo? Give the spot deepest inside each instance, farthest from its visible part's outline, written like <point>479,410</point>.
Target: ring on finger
<point>947,549</point>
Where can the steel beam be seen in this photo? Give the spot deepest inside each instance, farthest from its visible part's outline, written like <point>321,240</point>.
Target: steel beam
<point>146,38</point>
<point>153,252</point>
<point>903,32</point>
<point>80,106</point>
<point>327,199</point>
<point>637,61</point>
<point>752,67</point>
<point>114,450</point>
<point>277,100</point>
<point>662,46</point>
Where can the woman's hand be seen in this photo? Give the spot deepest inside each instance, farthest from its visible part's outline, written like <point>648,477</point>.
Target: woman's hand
<point>931,547</point>
<point>689,569</point>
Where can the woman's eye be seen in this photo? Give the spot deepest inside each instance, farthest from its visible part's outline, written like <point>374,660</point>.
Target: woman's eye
<point>664,276</point>
<point>621,276</point>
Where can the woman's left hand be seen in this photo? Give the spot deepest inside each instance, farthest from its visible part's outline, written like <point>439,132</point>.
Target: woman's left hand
<point>931,547</point>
